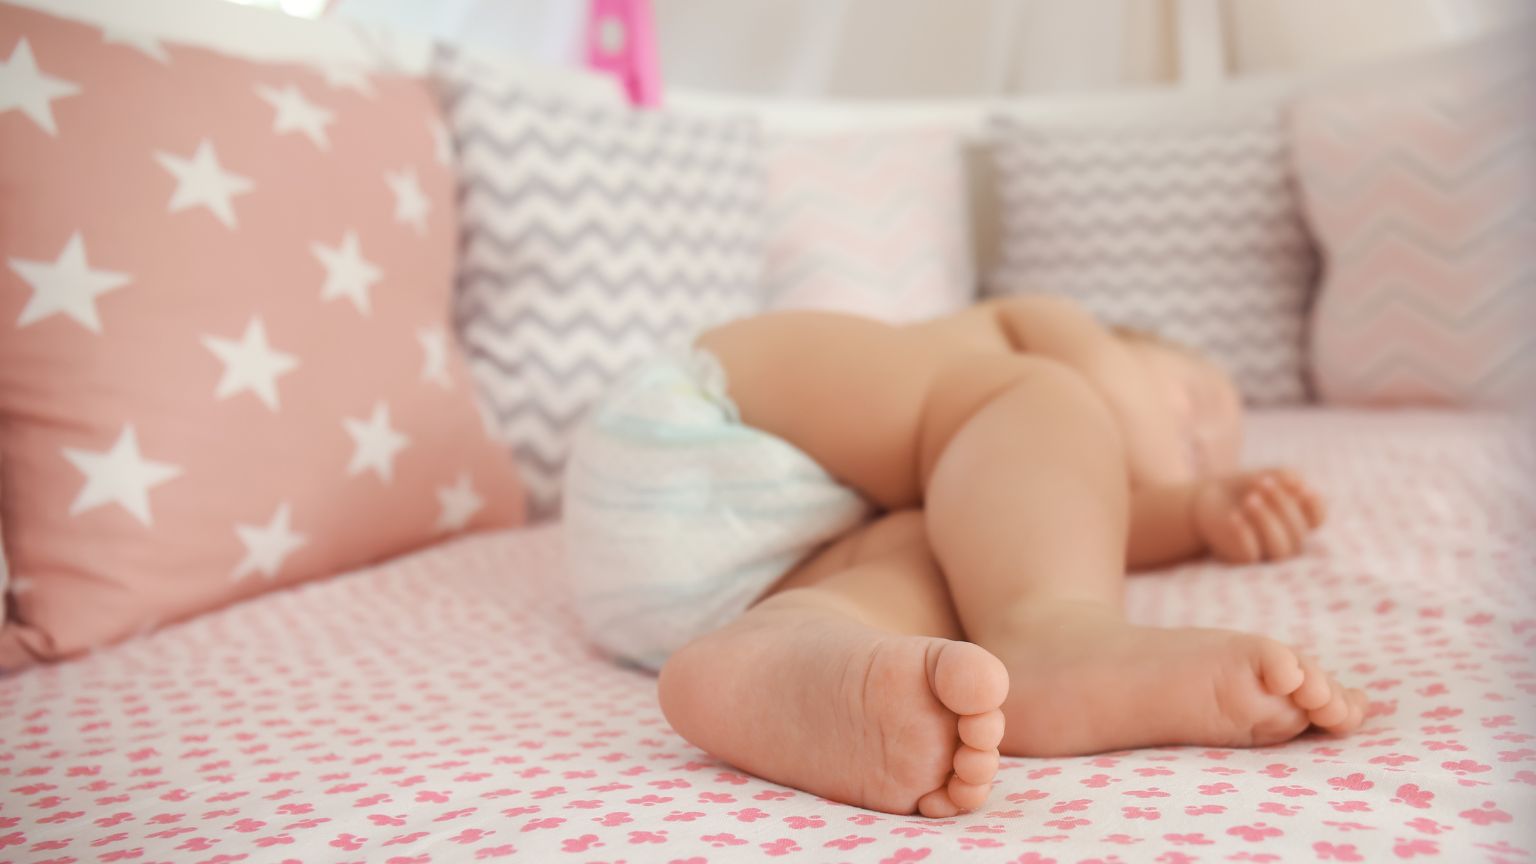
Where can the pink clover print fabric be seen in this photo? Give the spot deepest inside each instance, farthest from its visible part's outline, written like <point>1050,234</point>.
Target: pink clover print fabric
<point>443,708</point>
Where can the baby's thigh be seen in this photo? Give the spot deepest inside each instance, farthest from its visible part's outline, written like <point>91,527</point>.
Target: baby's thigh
<point>964,386</point>
<point>848,392</point>
<point>876,538</point>
<point>884,573</point>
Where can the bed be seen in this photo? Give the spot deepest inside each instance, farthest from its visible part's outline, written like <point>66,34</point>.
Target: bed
<point>442,707</point>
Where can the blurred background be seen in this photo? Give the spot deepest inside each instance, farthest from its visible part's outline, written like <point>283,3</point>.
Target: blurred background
<point>920,49</point>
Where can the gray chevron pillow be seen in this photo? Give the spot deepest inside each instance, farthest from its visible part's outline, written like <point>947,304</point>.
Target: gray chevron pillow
<point>1188,228</point>
<point>593,236</point>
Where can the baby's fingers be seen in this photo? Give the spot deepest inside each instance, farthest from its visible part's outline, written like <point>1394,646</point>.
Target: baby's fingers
<point>1311,503</point>
<point>1285,504</point>
<point>1273,535</point>
<point>1239,543</point>
<point>1316,509</point>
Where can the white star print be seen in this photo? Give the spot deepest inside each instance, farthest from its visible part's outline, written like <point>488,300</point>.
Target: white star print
<point>460,503</point>
<point>434,346</point>
<point>347,273</point>
<point>202,182</point>
<point>376,444</point>
<point>67,285</point>
<point>144,43</point>
<point>411,205</point>
<point>442,145</point>
<point>266,547</point>
<point>23,87</point>
<point>297,114</point>
<point>250,364</point>
<point>120,476</point>
<point>343,77</point>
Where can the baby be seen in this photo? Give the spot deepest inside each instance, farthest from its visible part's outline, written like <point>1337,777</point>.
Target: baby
<point>992,475</point>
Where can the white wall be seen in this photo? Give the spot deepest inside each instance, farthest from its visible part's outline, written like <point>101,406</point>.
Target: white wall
<point>944,49</point>
<point>1290,35</point>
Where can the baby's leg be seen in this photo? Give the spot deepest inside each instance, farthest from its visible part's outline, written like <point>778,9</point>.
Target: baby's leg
<point>842,684</point>
<point>1026,505</point>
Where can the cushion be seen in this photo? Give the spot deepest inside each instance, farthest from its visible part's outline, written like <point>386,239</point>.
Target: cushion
<point>1185,225</point>
<point>1420,183</point>
<point>871,223</point>
<point>5,570</point>
<point>594,237</point>
<point>225,355</point>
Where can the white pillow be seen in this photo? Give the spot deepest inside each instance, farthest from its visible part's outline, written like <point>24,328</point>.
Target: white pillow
<point>870,223</point>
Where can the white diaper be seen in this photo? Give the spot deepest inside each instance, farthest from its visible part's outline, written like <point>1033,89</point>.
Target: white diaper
<point>678,516</point>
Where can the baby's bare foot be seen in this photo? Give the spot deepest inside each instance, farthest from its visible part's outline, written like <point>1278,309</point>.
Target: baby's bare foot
<point>805,696</point>
<point>1086,682</point>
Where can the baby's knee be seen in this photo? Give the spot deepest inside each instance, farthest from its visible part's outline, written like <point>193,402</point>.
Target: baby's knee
<point>1065,390</point>
<point>974,381</point>
<point>1044,388</point>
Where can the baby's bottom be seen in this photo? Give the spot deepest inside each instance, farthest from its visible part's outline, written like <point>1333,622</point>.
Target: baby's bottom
<point>849,680</point>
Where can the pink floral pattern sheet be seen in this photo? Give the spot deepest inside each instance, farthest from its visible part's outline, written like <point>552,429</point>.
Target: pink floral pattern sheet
<point>441,708</point>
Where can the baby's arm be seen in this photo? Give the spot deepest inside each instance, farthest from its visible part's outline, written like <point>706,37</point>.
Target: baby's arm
<point>1242,519</point>
<point>1162,529</point>
<point>1056,328</point>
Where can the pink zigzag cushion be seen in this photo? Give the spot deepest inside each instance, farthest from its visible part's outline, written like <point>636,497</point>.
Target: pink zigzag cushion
<point>225,362</point>
<point>1420,183</point>
<point>869,223</point>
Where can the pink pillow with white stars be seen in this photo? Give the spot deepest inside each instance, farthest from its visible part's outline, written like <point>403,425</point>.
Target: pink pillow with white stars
<point>225,362</point>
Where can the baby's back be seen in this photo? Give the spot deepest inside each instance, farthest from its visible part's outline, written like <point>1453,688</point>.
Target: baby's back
<point>848,391</point>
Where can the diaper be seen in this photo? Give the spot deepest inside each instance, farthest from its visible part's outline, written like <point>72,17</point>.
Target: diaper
<point>677,516</point>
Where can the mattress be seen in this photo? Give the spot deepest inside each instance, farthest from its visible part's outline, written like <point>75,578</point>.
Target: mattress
<point>443,707</point>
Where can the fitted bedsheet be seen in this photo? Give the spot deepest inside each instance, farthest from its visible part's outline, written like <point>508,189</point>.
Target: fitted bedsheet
<point>442,708</point>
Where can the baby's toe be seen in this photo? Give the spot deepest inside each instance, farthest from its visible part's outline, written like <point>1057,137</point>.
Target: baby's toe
<point>1280,669</point>
<point>1357,705</point>
<point>1315,691</point>
<point>1335,712</point>
<point>968,796</point>
<point>982,731</point>
<point>937,805</point>
<point>976,767</point>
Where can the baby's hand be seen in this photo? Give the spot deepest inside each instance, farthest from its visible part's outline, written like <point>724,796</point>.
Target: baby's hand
<point>1257,516</point>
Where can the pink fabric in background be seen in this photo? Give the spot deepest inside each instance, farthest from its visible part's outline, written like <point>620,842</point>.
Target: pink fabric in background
<point>871,223</point>
<point>217,277</point>
<point>1420,184</point>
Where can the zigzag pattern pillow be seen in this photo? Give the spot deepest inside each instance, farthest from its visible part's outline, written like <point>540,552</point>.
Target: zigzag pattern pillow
<point>593,237</point>
<point>1421,186</point>
<point>1186,228</point>
<point>871,223</point>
